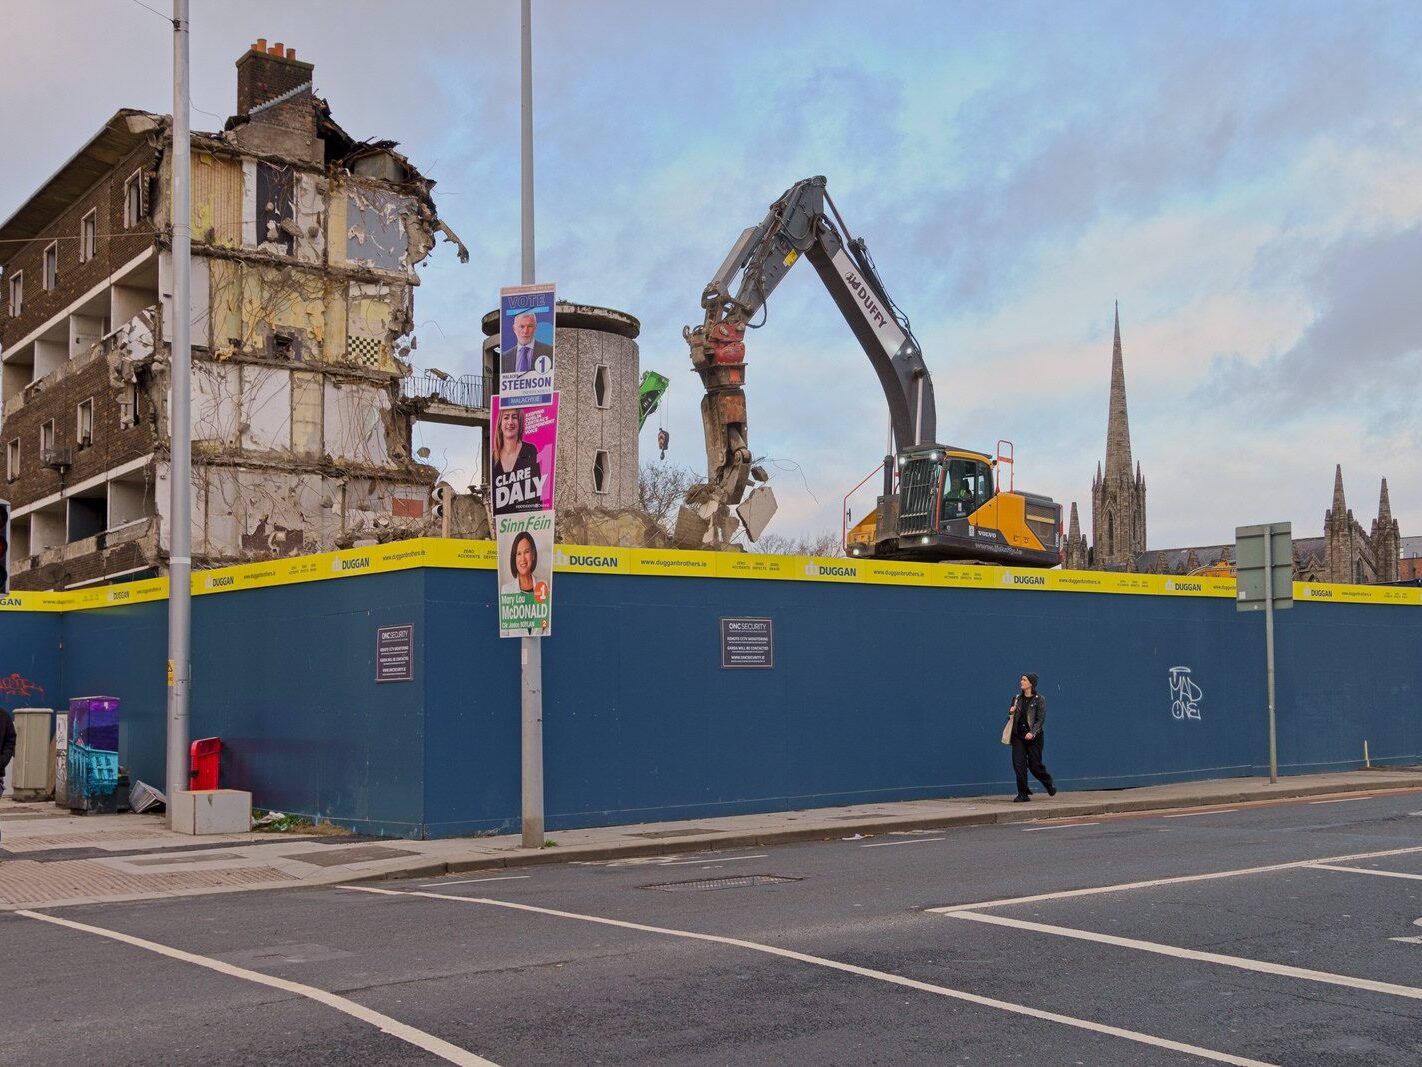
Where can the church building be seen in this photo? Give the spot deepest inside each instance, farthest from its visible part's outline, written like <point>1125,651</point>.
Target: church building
<point>1346,552</point>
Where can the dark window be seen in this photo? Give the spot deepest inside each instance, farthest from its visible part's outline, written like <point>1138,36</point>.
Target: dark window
<point>88,237</point>
<point>600,471</point>
<point>601,386</point>
<point>967,486</point>
<point>275,207</point>
<point>134,205</point>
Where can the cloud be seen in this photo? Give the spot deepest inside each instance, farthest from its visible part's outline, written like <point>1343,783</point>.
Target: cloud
<point>1365,337</point>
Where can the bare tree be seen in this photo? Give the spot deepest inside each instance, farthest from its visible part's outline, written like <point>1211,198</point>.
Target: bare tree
<point>661,488</point>
<point>823,544</point>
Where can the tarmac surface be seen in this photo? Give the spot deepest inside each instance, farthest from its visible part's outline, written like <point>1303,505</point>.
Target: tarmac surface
<point>1276,930</point>
<point>50,858</point>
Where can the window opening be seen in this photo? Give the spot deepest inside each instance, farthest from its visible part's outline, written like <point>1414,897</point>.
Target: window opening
<point>128,406</point>
<point>601,386</point>
<point>967,486</point>
<point>600,471</point>
<point>89,236</point>
<point>133,199</point>
<point>84,424</point>
<point>17,293</point>
<point>50,277</point>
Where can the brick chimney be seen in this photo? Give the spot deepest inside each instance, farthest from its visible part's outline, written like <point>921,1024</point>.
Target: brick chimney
<point>274,95</point>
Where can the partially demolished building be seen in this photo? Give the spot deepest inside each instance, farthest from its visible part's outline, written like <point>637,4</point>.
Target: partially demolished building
<point>304,243</point>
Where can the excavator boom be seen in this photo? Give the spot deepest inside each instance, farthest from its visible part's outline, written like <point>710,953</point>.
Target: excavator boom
<point>804,223</point>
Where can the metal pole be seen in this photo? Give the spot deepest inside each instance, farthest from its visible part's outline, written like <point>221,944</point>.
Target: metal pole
<point>526,116</point>
<point>531,653</point>
<point>1269,647</point>
<point>179,424</point>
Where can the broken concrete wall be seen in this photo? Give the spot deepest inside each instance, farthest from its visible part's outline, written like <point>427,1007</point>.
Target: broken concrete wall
<point>265,409</point>
<point>357,418</point>
<point>378,227</point>
<point>267,308</point>
<point>199,299</point>
<point>216,415</point>
<point>217,200</point>
<point>244,513</point>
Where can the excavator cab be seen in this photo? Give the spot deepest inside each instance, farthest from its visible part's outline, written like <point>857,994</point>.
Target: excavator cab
<point>947,505</point>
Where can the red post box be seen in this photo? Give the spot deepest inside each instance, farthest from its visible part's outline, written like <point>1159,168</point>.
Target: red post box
<point>204,755</point>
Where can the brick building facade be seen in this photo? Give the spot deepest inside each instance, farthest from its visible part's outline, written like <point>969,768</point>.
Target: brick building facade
<point>305,243</point>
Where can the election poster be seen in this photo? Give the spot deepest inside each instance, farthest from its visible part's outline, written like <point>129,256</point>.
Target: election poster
<point>525,574</point>
<point>526,339</point>
<point>523,452</point>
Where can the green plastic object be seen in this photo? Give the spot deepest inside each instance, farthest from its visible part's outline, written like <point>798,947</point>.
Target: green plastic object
<point>649,395</point>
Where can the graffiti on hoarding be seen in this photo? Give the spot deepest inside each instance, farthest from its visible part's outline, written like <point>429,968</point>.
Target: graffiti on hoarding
<point>16,685</point>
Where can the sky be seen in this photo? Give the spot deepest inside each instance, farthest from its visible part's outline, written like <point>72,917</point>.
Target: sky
<point>1244,179</point>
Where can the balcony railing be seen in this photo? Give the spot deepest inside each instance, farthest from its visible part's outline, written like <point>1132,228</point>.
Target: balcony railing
<point>466,391</point>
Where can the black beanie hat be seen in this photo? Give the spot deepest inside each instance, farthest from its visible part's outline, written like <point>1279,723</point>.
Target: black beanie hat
<point>1031,678</point>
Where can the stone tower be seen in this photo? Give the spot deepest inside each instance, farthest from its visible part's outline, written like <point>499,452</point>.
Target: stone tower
<point>1352,555</point>
<point>1078,556</point>
<point>596,369</point>
<point>1340,543</point>
<point>1118,513</point>
<point>1386,541</point>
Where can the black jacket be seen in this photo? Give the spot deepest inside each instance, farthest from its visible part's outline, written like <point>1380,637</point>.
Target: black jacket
<point>1031,713</point>
<point>7,740</point>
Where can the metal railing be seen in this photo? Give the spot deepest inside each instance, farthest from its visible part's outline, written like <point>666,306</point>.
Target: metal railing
<point>466,391</point>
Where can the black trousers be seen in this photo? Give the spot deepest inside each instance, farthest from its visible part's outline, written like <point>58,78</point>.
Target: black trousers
<point>1027,756</point>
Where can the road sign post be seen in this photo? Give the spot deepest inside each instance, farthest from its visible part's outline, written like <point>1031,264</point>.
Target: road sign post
<point>1264,581</point>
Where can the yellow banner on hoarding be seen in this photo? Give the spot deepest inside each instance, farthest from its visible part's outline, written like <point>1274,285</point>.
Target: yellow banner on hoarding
<point>454,554</point>
<point>1319,593</point>
<point>37,601</point>
<point>586,559</point>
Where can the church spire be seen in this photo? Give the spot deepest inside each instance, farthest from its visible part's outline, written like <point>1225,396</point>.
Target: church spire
<point>1118,426</point>
<point>1074,529</point>
<point>1340,506</point>
<point>1384,506</point>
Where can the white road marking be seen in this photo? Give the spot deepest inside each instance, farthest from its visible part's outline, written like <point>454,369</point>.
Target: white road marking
<point>911,841</point>
<point>1363,870</point>
<point>713,859</point>
<point>1240,962</point>
<point>1058,826</point>
<point>431,1044</point>
<point>1178,880</point>
<point>1341,800</point>
<point>847,968</point>
<point>1193,814</point>
<point>471,881</point>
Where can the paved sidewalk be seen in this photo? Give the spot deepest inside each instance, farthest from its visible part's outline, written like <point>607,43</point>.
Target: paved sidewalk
<point>49,858</point>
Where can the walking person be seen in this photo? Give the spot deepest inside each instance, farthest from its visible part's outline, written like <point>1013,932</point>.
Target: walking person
<point>1029,716</point>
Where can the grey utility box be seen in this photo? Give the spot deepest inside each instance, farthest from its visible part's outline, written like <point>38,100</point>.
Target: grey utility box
<point>34,753</point>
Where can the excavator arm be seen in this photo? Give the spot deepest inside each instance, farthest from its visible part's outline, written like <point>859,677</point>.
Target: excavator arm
<point>796,226</point>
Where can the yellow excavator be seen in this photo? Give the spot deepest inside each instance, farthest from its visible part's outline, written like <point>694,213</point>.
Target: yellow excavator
<point>938,502</point>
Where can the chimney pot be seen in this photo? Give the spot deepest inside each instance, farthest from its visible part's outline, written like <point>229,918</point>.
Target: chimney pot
<point>261,45</point>
<point>291,53</point>
<point>275,49</point>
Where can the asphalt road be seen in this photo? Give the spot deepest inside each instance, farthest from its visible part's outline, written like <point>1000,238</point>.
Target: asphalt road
<point>827,953</point>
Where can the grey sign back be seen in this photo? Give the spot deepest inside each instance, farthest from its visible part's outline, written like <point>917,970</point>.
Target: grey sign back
<point>1251,579</point>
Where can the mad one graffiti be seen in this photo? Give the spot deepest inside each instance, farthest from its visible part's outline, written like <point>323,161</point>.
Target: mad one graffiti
<point>1185,695</point>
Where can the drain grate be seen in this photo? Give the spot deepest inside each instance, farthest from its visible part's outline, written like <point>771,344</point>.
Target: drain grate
<point>703,884</point>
